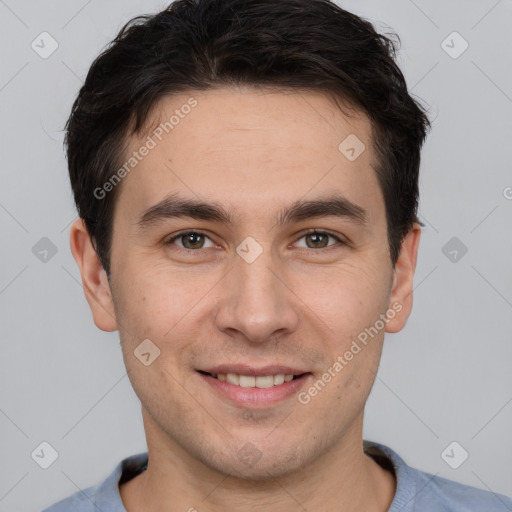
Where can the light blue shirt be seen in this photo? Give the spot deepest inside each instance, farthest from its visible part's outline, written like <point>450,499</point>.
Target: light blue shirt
<point>416,490</point>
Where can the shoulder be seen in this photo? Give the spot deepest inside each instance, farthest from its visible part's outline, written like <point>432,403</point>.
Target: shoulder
<point>81,501</point>
<point>104,496</point>
<point>457,497</point>
<point>420,491</point>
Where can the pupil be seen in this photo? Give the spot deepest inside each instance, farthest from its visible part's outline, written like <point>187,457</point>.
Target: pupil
<point>316,237</point>
<point>190,238</point>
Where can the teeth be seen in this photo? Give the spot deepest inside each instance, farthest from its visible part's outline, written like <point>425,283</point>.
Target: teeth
<point>233,379</point>
<point>279,379</point>
<point>247,381</point>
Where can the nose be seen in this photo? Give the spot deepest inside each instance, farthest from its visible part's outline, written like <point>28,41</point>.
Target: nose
<point>256,301</point>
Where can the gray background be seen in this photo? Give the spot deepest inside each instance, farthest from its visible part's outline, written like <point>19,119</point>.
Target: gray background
<point>446,377</point>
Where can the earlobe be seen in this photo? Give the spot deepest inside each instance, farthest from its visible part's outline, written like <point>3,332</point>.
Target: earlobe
<point>94,278</point>
<point>403,276</point>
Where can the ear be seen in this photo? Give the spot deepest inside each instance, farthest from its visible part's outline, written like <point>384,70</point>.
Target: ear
<point>94,278</point>
<point>403,275</point>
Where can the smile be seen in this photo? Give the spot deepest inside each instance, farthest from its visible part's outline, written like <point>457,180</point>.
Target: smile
<point>255,392</point>
<point>250,381</point>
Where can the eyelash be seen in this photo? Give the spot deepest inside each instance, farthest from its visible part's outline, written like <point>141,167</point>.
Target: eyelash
<point>311,232</point>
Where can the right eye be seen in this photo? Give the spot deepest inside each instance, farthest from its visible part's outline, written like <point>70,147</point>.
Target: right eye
<point>190,240</point>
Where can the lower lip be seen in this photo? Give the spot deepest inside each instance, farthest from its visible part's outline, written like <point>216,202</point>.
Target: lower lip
<point>256,397</point>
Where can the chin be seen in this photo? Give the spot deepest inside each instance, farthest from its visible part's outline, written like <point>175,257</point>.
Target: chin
<point>249,463</point>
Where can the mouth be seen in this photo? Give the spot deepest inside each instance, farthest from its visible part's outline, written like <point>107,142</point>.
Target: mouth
<point>254,381</point>
<point>266,387</point>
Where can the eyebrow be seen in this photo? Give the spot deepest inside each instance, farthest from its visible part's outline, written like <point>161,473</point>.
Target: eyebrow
<point>176,207</point>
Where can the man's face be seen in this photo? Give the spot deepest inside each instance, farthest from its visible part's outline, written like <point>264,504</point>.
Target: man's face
<point>258,291</point>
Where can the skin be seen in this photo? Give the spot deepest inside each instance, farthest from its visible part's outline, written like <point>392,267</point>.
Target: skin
<point>255,152</point>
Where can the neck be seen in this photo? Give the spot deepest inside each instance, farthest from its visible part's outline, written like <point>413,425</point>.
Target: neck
<point>343,478</point>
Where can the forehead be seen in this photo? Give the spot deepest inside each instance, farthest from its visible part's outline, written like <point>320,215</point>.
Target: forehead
<point>252,148</point>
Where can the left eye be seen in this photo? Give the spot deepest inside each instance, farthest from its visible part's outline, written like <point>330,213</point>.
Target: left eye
<point>319,239</point>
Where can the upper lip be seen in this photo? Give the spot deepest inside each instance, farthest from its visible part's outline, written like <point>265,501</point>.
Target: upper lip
<point>243,369</point>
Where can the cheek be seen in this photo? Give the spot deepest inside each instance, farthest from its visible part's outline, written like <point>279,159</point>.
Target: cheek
<point>150,302</point>
<point>346,297</point>
<point>153,307</point>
